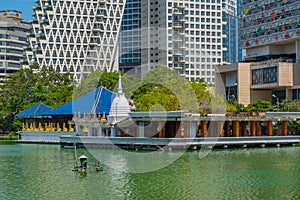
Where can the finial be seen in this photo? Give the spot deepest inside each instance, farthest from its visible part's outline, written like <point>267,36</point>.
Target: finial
<point>120,85</point>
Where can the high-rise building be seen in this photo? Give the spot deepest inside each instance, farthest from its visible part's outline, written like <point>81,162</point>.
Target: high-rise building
<point>270,33</point>
<point>183,35</point>
<point>232,50</point>
<point>130,38</point>
<point>13,39</point>
<point>76,36</point>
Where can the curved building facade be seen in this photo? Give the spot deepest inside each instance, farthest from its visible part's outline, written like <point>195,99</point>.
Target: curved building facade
<point>13,39</point>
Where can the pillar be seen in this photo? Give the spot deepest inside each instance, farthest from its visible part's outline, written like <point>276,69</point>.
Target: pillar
<point>192,130</point>
<point>161,133</point>
<point>227,129</point>
<point>220,128</point>
<point>198,134</point>
<point>112,132</point>
<point>122,133</point>
<point>258,128</point>
<point>203,128</point>
<point>252,128</point>
<point>243,129</point>
<point>283,128</point>
<point>182,129</point>
<point>269,128</point>
<point>100,132</point>
<point>90,130</point>
<point>236,128</point>
<point>141,129</point>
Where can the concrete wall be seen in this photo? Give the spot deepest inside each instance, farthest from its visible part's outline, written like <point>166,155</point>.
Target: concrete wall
<point>261,95</point>
<point>263,50</point>
<point>289,49</point>
<point>276,49</point>
<point>296,76</point>
<point>285,74</point>
<point>244,83</point>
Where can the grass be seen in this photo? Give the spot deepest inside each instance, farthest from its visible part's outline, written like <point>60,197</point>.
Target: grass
<point>9,137</point>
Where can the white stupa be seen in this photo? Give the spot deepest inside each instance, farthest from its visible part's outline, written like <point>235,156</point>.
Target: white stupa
<point>120,107</point>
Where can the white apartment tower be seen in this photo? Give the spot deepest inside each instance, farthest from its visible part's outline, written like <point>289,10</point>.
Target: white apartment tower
<point>185,35</point>
<point>76,36</point>
<point>13,39</point>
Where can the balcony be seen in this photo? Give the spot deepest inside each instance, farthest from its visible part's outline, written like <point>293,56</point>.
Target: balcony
<point>178,39</point>
<point>178,53</point>
<point>101,7</point>
<point>179,46</point>
<point>177,26</point>
<point>98,21</point>
<point>100,14</point>
<point>180,6</point>
<point>179,60</point>
<point>93,42</point>
<point>178,12</point>
<point>179,33</point>
<point>180,19</point>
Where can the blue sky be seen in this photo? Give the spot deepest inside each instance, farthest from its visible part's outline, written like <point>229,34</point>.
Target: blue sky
<point>25,6</point>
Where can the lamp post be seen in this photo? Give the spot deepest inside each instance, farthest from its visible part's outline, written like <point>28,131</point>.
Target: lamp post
<point>277,101</point>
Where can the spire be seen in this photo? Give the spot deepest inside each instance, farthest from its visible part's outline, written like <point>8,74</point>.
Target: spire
<point>120,85</point>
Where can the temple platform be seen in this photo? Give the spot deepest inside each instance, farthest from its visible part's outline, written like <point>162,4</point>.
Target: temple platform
<point>178,143</point>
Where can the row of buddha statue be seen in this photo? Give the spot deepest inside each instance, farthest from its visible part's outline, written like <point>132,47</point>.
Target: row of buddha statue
<point>46,127</point>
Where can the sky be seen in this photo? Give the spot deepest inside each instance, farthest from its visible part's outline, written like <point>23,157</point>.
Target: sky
<point>25,6</point>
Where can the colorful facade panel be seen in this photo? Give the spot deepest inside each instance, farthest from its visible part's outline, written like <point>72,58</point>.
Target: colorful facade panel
<point>264,22</point>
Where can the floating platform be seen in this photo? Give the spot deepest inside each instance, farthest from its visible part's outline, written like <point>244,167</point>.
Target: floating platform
<point>178,143</point>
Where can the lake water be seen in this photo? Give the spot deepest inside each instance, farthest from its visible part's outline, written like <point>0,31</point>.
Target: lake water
<point>44,172</point>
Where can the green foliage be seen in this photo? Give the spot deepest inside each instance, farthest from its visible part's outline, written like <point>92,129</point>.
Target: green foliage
<point>162,88</point>
<point>288,105</point>
<point>294,127</point>
<point>233,106</point>
<point>109,80</point>
<point>260,106</point>
<point>203,96</point>
<point>96,79</point>
<point>26,88</point>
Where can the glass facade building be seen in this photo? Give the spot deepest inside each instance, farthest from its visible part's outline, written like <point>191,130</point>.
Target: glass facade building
<point>232,49</point>
<point>130,38</point>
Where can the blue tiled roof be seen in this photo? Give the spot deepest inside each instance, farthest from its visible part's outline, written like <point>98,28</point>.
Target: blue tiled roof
<point>96,101</point>
<point>38,110</point>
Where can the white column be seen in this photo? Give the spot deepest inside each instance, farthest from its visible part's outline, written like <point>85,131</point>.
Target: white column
<point>141,130</point>
<point>112,132</point>
<point>100,133</point>
<point>193,129</point>
<point>90,130</point>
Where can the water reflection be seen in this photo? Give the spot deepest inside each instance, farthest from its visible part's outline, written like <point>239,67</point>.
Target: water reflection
<point>44,172</point>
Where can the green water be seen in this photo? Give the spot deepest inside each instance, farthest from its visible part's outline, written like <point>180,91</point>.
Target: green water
<point>44,172</point>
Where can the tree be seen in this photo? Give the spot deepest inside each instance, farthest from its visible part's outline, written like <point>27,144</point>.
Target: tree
<point>26,88</point>
<point>288,105</point>
<point>163,89</point>
<point>259,106</point>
